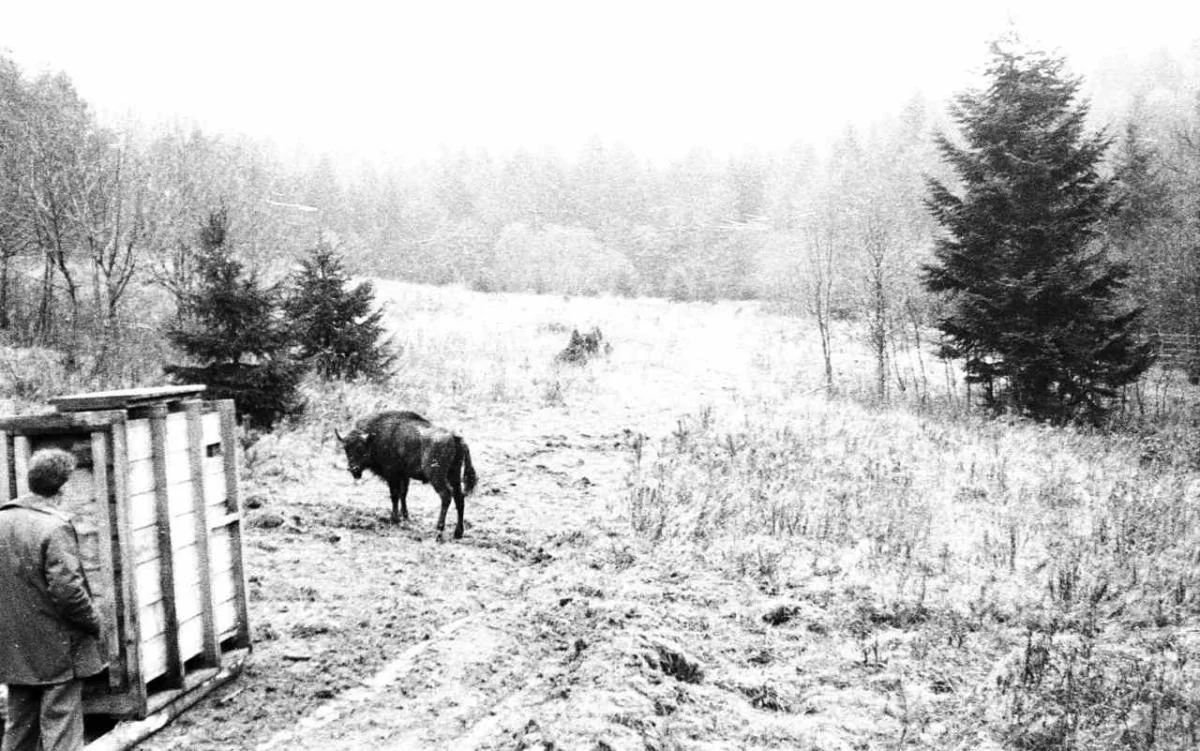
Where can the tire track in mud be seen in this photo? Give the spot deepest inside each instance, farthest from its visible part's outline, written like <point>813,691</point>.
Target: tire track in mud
<point>349,701</point>
<point>459,688</point>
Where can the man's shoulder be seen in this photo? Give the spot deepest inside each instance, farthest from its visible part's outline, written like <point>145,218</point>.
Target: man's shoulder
<point>38,511</point>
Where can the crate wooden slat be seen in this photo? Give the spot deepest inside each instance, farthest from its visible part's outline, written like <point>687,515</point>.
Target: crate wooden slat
<point>134,699</point>
<point>104,531</point>
<point>124,399</point>
<point>200,529</point>
<point>21,463</point>
<point>7,486</point>
<point>157,505</point>
<point>233,517</point>
<point>166,555</point>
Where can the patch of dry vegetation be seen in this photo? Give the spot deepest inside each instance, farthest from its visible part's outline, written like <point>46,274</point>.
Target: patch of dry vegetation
<point>1037,587</point>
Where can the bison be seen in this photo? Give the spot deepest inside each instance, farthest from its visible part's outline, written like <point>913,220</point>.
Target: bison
<point>399,446</point>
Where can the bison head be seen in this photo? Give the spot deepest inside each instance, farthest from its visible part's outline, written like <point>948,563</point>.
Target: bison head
<point>356,445</point>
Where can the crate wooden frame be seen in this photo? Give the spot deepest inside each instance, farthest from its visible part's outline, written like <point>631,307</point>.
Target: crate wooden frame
<point>171,584</point>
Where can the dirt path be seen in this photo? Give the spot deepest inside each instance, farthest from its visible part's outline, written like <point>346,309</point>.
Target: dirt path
<point>472,683</point>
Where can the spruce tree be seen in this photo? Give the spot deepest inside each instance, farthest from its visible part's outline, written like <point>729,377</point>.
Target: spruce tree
<point>1034,306</point>
<point>338,328</point>
<point>231,325</point>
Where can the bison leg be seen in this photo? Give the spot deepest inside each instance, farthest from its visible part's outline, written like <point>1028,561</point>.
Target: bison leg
<point>459,503</point>
<point>399,490</point>
<point>443,491</point>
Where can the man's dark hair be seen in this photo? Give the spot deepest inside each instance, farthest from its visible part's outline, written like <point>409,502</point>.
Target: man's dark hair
<point>49,470</point>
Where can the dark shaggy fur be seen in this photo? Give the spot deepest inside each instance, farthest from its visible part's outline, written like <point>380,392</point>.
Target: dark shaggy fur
<point>399,446</point>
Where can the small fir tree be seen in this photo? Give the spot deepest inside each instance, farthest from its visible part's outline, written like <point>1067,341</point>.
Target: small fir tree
<point>338,329</point>
<point>1035,308</point>
<point>231,325</point>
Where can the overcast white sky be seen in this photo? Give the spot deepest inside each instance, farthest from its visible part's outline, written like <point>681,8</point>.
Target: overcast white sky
<point>408,78</point>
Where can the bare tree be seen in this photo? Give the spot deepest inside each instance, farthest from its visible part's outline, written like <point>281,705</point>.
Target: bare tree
<point>820,253</point>
<point>888,228</point>
<point>108,209</point>
<point>14,239</point>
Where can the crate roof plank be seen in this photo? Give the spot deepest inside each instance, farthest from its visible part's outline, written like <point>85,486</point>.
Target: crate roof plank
<point>125,398</point>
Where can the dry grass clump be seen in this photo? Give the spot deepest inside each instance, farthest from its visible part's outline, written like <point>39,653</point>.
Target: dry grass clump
<point>1057,569</point>
<point>582,348</point>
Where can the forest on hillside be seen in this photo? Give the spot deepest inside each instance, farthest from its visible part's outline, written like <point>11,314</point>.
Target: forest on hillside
<point>99,220</point>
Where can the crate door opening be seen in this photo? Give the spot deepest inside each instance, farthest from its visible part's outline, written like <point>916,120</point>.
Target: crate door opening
<point>89,500</point>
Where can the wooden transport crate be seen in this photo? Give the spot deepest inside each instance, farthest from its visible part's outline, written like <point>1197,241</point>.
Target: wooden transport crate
<point>155,501</point>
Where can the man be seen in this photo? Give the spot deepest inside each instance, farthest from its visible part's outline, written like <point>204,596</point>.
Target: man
<point>49,625</point>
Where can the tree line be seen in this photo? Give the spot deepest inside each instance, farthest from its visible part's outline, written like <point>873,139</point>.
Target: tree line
<point>99,224</point>
<point>98,220</point>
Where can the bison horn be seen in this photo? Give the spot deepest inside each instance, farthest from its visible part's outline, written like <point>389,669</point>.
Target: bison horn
<point>339,436</point>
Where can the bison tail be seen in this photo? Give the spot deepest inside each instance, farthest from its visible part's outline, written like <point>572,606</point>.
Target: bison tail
<point>469,477</point>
